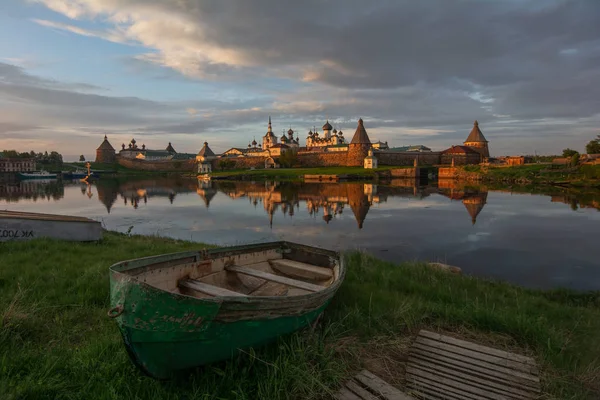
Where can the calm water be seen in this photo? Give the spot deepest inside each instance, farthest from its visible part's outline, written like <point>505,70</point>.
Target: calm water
<point>533,240</point>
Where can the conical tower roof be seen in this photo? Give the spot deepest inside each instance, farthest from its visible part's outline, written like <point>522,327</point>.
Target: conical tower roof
<point>106,145</point>
<point>170,148</point>
<point>476,135</point>
<point>360,136</point>
<point>205,151</point>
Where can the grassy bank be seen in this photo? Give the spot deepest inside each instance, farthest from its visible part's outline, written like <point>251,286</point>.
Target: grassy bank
<point>298,173</point>
<point>581,176</point>
<point>57,343</point>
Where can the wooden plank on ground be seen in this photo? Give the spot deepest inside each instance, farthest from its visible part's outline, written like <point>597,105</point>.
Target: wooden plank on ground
<point>478,367</point>
<point>481,349</point>
<point>366,386</point>
<point>361,392</point>
<point>345,394</point>
<point>276,278</point>
<point>208,289</point>
<point>474,354</point>
<point>442,367</point>
<point>381,387</point>
<point>300,270</point>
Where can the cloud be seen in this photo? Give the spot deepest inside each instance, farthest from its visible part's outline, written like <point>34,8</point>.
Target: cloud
<point>425,70</point>
<point>112,36</point>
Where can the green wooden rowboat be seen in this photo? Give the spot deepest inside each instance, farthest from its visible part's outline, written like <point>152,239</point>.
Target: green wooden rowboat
<point>182,310</point>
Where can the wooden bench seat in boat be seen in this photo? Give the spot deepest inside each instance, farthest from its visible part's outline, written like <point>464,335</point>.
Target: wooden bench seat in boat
<point>205,288</point>
<point>275,278</point>
<point>301,270</point>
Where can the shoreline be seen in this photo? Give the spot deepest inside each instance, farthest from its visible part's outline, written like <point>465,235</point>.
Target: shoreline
<point>56,340</point>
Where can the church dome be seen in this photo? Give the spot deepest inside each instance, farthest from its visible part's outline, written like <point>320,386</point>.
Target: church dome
<point>327,126</point>
<point>290,131</point>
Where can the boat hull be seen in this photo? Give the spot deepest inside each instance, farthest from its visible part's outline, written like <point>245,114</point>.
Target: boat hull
<point>220,341</point>
<point>26,226</point>
<point>166,332</point>
<point>33,176</point>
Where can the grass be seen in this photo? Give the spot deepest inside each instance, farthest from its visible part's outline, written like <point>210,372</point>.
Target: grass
<point>293,173</point>
<point>57,343</point>
<point>582,176</point>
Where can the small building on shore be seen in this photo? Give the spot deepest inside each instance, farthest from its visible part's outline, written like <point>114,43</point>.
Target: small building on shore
<point>204,158</point>
<point>13,165</point>
<point>370,160</point>
<point>460,155</point>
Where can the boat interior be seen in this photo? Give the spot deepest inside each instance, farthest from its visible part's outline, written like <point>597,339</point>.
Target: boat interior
<point>264,272</point>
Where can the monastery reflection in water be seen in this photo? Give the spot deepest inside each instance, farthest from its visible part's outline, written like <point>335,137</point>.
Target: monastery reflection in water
<point>326,200</point>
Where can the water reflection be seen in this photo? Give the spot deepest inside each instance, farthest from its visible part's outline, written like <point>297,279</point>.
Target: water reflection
<point>15,191</point>
<point>527,236</point>
<point>327,200</point>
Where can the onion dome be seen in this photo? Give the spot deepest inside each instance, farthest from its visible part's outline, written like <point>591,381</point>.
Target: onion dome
<point>133,141</point>
<point>283,139</point>
<point>254,143</point>
<point>249,145</point>
<point>290,131</point>
<point>327,126</point>
<point>340,133</point>
<point>310,133</point>
<point>334,130</point>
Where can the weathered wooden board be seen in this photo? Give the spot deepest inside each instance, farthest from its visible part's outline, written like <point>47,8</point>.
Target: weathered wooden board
<point>275,278</point>
<point>443,367</point>
<point>366,386</point>
<point>300,270</point>
<point>208,289</point>
<point>26,226</point>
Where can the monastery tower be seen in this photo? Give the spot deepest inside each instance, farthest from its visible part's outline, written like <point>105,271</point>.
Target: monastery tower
<point>359,146</point>
<point>477,141</point>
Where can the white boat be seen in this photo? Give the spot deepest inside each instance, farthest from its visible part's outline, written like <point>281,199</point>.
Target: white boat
<point>37,175</point>
<point>15,225</point>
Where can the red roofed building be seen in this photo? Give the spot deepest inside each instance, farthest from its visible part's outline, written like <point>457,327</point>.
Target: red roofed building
<point>460,155</point>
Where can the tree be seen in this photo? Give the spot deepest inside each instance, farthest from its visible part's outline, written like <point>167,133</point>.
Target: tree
<point>575,159</point>
<point>288,159</point>
<point>593,147</point>
<point>10,154</point>
<point>82,158</point>
<point>569,152</point>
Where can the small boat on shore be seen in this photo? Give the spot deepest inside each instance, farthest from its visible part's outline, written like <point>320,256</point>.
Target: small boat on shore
<point>16,225</point>
<point>183,310</point>
<point>36,175</point>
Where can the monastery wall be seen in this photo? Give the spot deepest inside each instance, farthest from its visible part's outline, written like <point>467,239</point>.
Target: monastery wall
<point>471,158</point>
<point>241,163</point>
<point>408,158</point>
<point>332,159</point>
<point>158,166</point>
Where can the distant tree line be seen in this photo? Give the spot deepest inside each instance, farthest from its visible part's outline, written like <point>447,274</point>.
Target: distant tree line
<point>54,158</point>
<point>593,147</point>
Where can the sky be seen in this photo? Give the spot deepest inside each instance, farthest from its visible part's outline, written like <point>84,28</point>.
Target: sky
<point>189,71</point>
